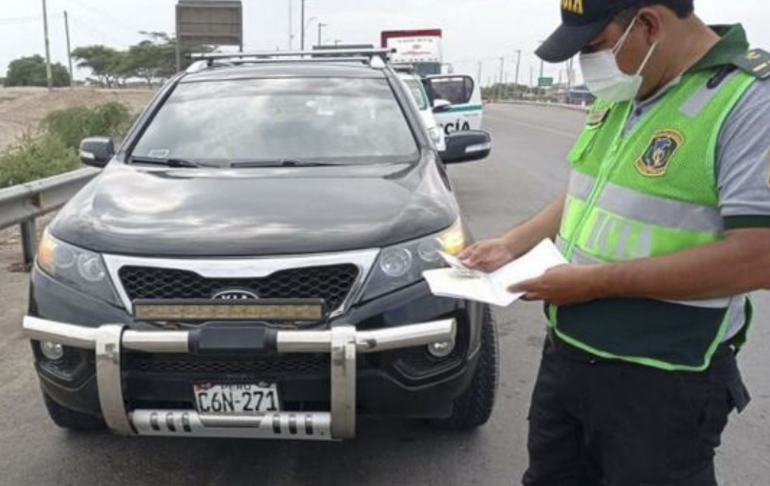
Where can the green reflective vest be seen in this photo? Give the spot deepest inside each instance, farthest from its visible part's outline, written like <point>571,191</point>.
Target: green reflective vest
<point>650,192</point>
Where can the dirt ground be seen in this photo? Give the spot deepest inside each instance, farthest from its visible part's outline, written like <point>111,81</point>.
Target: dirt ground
<point>22,109</point>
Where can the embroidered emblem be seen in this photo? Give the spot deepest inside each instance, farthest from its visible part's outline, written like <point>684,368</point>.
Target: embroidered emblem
<point>656,158</point>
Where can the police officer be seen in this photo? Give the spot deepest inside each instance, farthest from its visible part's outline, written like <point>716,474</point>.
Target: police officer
<point>666,224</point>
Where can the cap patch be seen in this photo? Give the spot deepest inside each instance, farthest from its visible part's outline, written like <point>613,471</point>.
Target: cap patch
<point>573,6</point>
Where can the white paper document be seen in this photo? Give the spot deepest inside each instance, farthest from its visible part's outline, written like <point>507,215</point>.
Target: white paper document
<point>461,282</point>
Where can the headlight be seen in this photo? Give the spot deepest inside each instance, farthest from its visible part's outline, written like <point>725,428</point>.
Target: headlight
<point>82,269</point>
<point>402,265</point>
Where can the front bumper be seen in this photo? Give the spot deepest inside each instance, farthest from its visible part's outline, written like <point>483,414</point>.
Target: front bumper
<point>342,342</point>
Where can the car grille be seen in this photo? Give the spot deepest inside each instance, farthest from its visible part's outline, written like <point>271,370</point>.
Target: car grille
<point>330,283</point>
<point>263,366</point>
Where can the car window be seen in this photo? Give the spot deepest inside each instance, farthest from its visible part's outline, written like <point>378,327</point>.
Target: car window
<point>458,90</point>
<point>332,120</point>
<point>418,93</point>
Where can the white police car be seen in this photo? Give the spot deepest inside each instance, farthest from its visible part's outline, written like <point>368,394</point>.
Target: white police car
<point>415,87</point>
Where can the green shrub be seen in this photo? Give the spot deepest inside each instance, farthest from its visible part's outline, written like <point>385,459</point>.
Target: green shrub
<point>56,151</point>
<point>71,125</point>
<point>36,158</point>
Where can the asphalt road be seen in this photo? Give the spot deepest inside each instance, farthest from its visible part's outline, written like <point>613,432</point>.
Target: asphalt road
<point>525,172</point>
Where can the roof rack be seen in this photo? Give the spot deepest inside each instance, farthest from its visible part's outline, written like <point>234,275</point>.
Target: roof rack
<point>319,53</point>
<point>202,65</point>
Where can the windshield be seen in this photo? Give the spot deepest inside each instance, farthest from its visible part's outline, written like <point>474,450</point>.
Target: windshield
<point>332,120</point>
<point>415,87</point>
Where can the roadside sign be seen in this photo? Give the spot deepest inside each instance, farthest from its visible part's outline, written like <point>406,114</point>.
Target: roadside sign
<point>208,22</point>
<point>544,82</point>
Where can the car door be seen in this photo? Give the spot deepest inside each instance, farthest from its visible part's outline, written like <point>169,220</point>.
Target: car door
<point>461,108</point>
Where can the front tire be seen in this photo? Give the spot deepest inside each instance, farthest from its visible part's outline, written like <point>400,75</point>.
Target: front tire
<point>71,419</point>
<point>474,407</point>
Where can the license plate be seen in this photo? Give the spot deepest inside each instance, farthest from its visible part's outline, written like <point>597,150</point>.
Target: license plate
<point>236,399</point>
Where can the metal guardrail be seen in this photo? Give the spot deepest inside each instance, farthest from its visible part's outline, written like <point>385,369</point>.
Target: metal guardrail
<point>565,106</point>
<point>24,203</point>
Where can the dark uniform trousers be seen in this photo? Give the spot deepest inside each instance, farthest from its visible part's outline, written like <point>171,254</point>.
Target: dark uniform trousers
<point>604,422</point>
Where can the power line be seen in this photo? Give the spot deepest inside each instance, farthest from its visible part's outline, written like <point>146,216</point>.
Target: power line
<point>97,12</point>
<point>88,29</point>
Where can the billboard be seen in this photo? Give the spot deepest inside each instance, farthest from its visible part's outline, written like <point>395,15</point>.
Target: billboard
<point>414,46</point>
<point>208,22</point>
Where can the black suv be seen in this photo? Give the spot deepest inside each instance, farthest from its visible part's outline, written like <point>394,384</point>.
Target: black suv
<point>249,262</point>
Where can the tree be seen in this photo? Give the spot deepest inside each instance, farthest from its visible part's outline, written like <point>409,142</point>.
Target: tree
<point>31,71</point>
<point>151,59</point>
<point>105,62</point>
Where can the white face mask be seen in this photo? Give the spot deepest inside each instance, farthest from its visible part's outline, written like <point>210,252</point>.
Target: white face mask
<point>603,76</point>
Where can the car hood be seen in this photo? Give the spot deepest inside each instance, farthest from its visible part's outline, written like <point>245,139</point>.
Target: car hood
<point>134,210</point>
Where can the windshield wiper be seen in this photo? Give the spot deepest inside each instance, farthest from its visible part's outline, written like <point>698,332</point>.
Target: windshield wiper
<point>277,163</point>
<point>176,163</point>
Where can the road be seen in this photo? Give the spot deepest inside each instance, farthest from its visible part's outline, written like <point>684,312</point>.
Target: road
<point>525,172</point>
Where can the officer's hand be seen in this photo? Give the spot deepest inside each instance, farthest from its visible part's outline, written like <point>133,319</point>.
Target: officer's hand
<point>487,256</point>
<point>563,285</point>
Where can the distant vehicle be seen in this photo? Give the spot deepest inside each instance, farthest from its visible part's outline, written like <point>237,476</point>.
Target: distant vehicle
<point>416,88</point>
<point>420,48</point>
<point>249,262</point>
<point>456,101</point>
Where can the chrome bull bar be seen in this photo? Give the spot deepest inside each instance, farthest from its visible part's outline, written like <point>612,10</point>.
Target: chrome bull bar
<point>342,342</point>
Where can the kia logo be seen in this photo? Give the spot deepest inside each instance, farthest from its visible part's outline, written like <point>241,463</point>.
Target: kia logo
<point>235,295</point>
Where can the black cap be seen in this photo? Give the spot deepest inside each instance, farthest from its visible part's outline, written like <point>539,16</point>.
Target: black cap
<point>582,22</point>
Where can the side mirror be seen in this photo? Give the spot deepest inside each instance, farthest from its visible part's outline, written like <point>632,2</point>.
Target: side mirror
<point>467,146</point>
<point>440,106</point>
<point>97,151</point>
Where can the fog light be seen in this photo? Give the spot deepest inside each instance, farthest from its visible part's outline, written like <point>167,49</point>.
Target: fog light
<point>442,349</point>
<point>52,351</point>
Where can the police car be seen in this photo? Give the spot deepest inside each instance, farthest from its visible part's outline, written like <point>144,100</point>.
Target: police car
<point>415,86</point>
<point>456,102</point>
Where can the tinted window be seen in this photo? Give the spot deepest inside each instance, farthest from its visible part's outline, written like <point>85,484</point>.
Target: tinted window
<point>457,90</point>
<point>333,120</point>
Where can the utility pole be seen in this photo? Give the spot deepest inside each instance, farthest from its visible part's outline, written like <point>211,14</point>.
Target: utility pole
<point>505,86</point>
<point>47,48</point>
<point>518,65</point>
<point>502,68</point>
<point>479,78</point>
<point>320,29</point>
<point>69,49</point>
<point>302,25</point>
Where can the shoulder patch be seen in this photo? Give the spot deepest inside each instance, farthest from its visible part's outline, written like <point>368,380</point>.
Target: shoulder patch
<point>597,116</point>
<point>756,62</point>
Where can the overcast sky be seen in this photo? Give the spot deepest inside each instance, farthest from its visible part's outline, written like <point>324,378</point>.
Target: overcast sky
<point>474,30</point>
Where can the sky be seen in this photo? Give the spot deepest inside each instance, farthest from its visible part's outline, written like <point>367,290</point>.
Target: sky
<point>474,30</point>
